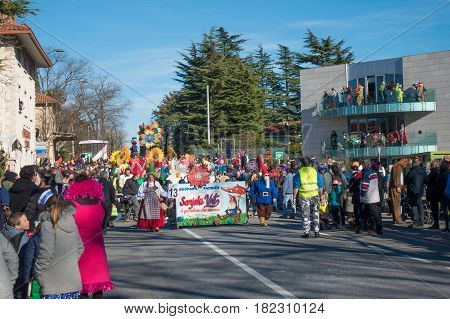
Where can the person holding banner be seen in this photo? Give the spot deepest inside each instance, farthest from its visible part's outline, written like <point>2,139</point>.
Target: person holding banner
<point>151,214</point>
<point>266,196</point>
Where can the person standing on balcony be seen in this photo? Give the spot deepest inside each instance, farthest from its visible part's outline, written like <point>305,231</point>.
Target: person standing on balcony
<point>334,99</point>
<point>359,94</point>
<point>396,187</point>
<point>333,140</point>
<point>421,92</point>
<point>403,138</point>
<point>348,98</point>
<point>382,92</point>
<point>399,93</point>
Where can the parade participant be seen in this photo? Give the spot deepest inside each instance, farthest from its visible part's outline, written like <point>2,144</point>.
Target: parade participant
<point>308,183</point>
<point>266,195</point>
<point>444,190</point>
<point>433,192</point>
<point>335,204</point>
<point>370,196</point>
<point>123,178</point>
<point>151,215</point>
<point>130,191</point>
<point>60,248</point>
<point>87,195</point>
<point>9,268</point>
<point>415,185</point>
<point>109,196</point>
<point>326,177</point>
<point>288,193</point>
<point>396,187</point>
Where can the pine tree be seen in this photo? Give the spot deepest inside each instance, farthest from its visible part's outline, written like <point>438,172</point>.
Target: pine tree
<point>19,8</point>
<point>325,51</point>
<point>269,83</point>
<point>235,99</point>
<point>289,77</point>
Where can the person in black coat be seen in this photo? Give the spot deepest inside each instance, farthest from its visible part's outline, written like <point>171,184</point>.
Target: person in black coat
<point>433,192</point>
<point>109,196</point>
<point>24,188</point>
<point>415,186</point>
<point>444,171</point>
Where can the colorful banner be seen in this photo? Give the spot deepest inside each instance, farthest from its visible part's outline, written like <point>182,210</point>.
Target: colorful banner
<point>213,204</point>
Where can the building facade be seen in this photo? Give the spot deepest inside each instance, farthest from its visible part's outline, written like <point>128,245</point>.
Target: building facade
<point>375,110</point>
<point>20,56</point>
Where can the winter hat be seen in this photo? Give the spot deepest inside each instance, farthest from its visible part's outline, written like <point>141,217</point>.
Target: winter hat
<point>44,197</point>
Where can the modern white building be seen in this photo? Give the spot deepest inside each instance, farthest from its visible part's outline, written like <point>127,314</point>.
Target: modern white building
<point>372,127</point>
<point>20,55</point>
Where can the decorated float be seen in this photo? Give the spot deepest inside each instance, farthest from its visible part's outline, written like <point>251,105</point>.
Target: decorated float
<point>198,188</point>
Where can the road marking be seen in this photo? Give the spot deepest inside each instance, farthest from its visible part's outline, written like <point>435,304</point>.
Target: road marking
<point>379,249</point>
<point>420,259</point>
<point>281,291</point>
<point>324,234</point>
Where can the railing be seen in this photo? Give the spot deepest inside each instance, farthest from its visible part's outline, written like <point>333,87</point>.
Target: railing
<point>355,146</point>
<point>339,106</point>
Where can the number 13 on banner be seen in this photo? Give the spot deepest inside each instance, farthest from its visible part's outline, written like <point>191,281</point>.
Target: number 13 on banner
<point>173,191</point>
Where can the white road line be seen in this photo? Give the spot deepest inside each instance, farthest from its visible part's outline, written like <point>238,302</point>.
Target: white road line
<point>324,234</point>
<point>420,259</point>
<point>379,249</point>
<point>251,271</point>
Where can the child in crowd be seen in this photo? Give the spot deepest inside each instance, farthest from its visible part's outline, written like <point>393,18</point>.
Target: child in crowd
<point>335,203</point>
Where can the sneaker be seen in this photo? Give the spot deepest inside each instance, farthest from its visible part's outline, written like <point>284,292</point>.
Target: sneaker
<point>317,235</point>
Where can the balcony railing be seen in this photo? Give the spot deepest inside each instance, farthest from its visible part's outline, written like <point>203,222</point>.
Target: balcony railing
<point>354,147</point>
<point>338,106</point>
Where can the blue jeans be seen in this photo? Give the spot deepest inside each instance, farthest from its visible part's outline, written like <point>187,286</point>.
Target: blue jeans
<point>286,199</point>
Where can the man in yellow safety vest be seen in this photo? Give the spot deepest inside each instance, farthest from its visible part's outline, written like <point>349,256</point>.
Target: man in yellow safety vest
<point>308,184</point>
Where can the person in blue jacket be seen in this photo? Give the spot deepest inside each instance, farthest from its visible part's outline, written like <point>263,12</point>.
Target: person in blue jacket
<point>266,196</point>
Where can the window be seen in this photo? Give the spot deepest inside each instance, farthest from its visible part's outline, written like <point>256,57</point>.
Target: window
<point>399,78</point>
<point>362,125</point>
<point>352,84</point>
<point>383,125</point>
<point>372,124</point>
<point>353,125</point>
<point>389,78</point>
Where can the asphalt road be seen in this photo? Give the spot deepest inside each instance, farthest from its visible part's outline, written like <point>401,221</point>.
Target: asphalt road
<point>275,262</point>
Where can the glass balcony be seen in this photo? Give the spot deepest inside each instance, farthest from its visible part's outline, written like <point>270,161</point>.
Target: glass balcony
<point>339,108</point>
<point>355,147</point>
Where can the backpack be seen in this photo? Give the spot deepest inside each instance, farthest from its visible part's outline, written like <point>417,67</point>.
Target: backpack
<point>447,188</point>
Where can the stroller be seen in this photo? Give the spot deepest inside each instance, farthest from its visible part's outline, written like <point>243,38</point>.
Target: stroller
<point>408,212</point>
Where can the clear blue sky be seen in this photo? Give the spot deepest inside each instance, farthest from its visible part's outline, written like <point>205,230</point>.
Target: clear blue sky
<point>139,40</point>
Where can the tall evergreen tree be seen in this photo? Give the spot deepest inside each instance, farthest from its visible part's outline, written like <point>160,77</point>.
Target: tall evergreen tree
<point>289,77</point>
<point>235,98</point>
<point>13,8</point>
<point>325,51</point>
<point>263,67</point>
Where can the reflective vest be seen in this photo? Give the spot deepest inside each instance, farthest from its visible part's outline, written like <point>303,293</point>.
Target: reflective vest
<point>308,182</point>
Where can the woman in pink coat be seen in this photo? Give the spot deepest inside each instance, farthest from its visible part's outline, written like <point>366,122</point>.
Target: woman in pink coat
<point>87,195</point>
